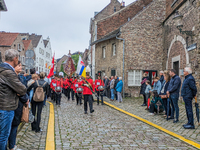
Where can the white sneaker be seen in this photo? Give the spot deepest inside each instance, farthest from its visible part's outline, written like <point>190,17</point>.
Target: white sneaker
<point>151,114</point>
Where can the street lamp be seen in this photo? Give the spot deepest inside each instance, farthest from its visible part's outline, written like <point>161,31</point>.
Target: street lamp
<point>178,19</point>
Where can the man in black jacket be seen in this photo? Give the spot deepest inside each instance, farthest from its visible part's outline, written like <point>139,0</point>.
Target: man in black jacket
<point>188,92</point>
<point>10,89</point>
<point>36,124</point>
<point>116,81</point>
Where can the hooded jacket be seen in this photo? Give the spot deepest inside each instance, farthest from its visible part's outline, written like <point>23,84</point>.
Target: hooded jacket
<point>10,86</point>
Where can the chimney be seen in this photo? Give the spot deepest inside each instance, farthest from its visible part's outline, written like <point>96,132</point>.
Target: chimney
<point>122,5</point>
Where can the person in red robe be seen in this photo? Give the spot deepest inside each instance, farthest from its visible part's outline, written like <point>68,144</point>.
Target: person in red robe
<point>52,86</point>
<point>99,83</point>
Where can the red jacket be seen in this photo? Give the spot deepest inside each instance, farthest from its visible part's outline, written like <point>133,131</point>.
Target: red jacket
<point>59,83</point>
<point>77,85</point>
<point>66,84</point>
<point>86,90</point>
<point>98,83</point>
<point>53,84</point>
<point>72,83</point>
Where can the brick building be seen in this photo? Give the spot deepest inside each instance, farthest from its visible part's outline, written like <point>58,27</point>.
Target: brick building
<point>181,49</point>
<point>12,41</point>
<point>110,9</point>
<point>140,26</point>
<point>59,62</point>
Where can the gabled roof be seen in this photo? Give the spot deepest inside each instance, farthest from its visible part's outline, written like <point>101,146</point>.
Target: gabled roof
<point>45,42</point>
<point>7,39</point>
<point>107,37</point>
<point>35,39</point>
<point>3,6</point>
<point>26,44</point>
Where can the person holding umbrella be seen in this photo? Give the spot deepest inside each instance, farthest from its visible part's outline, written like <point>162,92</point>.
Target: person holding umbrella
<point>188,92</point>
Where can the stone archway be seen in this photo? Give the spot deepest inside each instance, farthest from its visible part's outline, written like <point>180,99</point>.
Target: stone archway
<point>178,52</point>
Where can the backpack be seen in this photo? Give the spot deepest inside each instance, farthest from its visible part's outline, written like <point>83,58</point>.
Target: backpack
<point>39,94</point>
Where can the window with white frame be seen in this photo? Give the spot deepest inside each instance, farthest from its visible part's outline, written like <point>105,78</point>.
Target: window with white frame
<point>19,47</point>
<point>114,49</point>
<point>134,77</point>
<point>104,52</point>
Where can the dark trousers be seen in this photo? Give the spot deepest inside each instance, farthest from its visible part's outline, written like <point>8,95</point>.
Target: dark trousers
<point>88,98</point>
<point>72,94</point>
<point>98,93</point>
<point>54,96</point>
<point>68,93</point>
<point>58,98</point>
<point>152,108</point>
<point>147,96</point>
<point>145,101</point>
<point>167,106</point>
<point>189,111</point>
<point>36,124</point>
<point>116,95</point>
<point>175,108</point>
<point>65,92</point>
<point>109,93</point>
<point>12,137</point>
<point>78,99</point>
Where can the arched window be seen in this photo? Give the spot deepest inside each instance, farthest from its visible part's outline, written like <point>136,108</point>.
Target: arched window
<point>114,9</point>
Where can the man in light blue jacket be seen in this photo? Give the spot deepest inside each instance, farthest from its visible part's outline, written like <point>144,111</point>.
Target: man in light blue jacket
<point>119,89</point>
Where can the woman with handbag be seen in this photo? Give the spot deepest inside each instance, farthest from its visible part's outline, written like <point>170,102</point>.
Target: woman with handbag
<point>163,94</point>
<point>23,100</point>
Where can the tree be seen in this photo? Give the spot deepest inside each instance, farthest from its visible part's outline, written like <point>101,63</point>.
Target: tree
<point>62,69</point>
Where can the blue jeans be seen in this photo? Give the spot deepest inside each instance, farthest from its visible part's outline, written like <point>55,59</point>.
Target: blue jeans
<point>112,94</point>
<point>31,95</point>
<point>12,137</point>
<point>175,108</point>
<point>6,118</point>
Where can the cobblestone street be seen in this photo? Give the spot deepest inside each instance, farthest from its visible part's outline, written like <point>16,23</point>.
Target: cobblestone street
<point>106,128</point>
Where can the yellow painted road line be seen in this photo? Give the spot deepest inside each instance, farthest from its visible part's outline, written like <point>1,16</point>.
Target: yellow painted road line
<point>50,140</point>
<point>156,126</point>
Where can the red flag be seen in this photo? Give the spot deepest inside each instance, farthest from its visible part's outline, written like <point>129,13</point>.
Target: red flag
<point>51,73</point>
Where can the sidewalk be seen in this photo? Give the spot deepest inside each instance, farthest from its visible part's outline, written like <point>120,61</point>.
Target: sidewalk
<point>28,139</point>
<point>133,106</point>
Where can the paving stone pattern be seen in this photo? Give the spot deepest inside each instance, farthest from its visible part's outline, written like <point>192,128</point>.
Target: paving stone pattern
<point>28,139</point>
<point>106,129</point>
<point>134,106</point>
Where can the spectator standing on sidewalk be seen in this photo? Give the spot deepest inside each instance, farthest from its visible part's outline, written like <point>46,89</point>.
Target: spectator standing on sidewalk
<point>143,88</point>
<point>18,112</point>
<point>105,86</point>
<point>39,105</point>
<point>161,77</point>
<point>188,92</point>
<point>108,88</point>
<point>112,88</point>
<point>10,88</point>
<point>173,94</point>
<point>116,81</point>
<point>118,88</point>
<point>163,93</point>
<point>147,91</point>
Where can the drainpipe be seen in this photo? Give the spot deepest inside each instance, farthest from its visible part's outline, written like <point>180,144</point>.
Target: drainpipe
<point>123,60</point>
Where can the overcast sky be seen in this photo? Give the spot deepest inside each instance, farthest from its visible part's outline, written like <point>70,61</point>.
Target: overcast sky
<point>66,22</point>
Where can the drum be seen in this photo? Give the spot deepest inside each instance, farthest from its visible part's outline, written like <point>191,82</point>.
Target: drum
<point>79,90</point>
<point>101,88</point>
<point>58,89</point>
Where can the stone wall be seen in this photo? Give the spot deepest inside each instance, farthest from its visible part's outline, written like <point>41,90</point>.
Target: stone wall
<point>119,18</point>
<point>143,46</point>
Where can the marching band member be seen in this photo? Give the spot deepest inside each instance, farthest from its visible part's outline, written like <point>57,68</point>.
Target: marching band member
<point>78,84</point>
<point>99,83</point>
<point>58,90</point>
<point>53,85</point>
<point>69,80</point>
<point>88,87</point>
<point>72,87</point>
